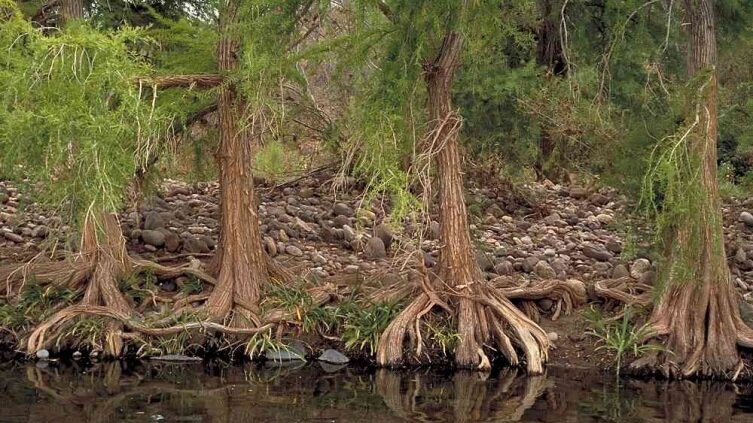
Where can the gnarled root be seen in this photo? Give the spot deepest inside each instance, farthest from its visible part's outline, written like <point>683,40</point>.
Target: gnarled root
<point>96,270</point>
<point>567,295</point>
<point>486,317</point>
<point>624,290</point>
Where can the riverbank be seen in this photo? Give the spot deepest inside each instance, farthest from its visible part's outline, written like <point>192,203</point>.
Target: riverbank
<point>336,244</point>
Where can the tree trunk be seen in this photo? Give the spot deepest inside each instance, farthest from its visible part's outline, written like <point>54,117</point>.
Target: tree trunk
<point>458,265</point>
<point>240,261</point>
<point>483,313</point>
<point>548,54</point>
<point>71,10</point>
<point>698,312</point>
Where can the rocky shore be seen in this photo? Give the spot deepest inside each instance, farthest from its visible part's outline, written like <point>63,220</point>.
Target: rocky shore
<point>569,233</point>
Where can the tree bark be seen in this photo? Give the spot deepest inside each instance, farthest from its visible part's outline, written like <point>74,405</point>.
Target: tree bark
<point>458,266</point>
<point>698,312</point>
<point>71,10</point>
<point>240,261</point>
<point>548,54</point>
<point>483,313</point>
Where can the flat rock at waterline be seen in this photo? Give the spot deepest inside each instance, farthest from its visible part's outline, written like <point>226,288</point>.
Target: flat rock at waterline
<point>284,355</point>
<point>333,357</point>
<point>176,358</point>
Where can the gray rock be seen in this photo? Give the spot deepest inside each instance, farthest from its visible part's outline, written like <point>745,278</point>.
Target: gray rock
<point>333,357</point>
<point>153,221</point>
<point>270,246</point>
<point>13,237</point>
<point>544,270</point>
<point>342,209</point>
<point>746,313</point>
<point>484,261</point>
<point>40,231</point>
<point>153,238</point>
<point>620,271</point>
<point>43,354</point>
<point>429,260</point>
<point>286,354</point>
<point>746,218</point>
<point>331,368</point>
<point>553,336</point>
<point>504,268</point>
<point>375,249</point>
<point>340,220</point>
<point>172,241</point>
<point>194,245</point>
<point>293,251</point>
<point>385,234</point>
<point>434,230</point>
<point>595,252</point>
<point>639,267</point>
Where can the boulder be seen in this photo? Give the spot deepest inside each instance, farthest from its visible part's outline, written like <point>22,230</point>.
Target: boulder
<point>153,238</point>
<point>375,249</point>
<point>596,252</point>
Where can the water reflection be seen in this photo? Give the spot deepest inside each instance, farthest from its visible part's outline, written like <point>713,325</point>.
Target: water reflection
<point>310,392</point>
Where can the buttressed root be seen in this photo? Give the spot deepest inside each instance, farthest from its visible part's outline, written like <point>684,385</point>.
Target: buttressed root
<point>486,318</point>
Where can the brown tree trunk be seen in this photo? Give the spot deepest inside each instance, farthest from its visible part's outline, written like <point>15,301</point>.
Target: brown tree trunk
<point>548,54</point>
<point>458,265</point>
<point>483,313</point>
<point>698,313</point>
<point>71,10</point>
<point>240,261</point>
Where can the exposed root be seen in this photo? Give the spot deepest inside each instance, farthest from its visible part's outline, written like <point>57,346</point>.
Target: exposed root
<point>567,295</point>
<point>490,319</point>
<point>624,290</point>
<point>38,338</point>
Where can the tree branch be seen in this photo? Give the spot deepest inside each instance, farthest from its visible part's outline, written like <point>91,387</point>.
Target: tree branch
<point>189,81</point>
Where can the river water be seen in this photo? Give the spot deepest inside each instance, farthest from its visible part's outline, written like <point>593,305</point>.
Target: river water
<point>150,391</point>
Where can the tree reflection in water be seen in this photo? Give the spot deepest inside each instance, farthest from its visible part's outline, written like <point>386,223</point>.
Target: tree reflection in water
<point>116,391</point>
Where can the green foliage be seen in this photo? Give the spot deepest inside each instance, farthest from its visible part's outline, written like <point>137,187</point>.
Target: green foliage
<point>83,332</point>
<point>276,161</point>
<point>443,335</point>
<point>33,305</point>
<point>193,286</point>
<point>71,116</point>
<point>619,337</point>
<point>261,342</point>
<point>363,326</point>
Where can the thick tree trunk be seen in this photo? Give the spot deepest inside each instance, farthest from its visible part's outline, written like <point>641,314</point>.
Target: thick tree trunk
<point>698,313</point>
<point>70,10</point>
<point>458,265</point>
<point>484,315</point>
<point>240,261</point>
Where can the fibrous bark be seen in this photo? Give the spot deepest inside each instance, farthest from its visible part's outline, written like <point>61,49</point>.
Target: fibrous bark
<point>698,314</point>
<point>240,262</point>
<point>484,315</point>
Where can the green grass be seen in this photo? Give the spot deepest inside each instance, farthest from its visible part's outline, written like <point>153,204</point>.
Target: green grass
<point>619,337</point>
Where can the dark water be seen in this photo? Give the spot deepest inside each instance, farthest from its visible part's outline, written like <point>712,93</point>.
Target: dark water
<point>148,392</point>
